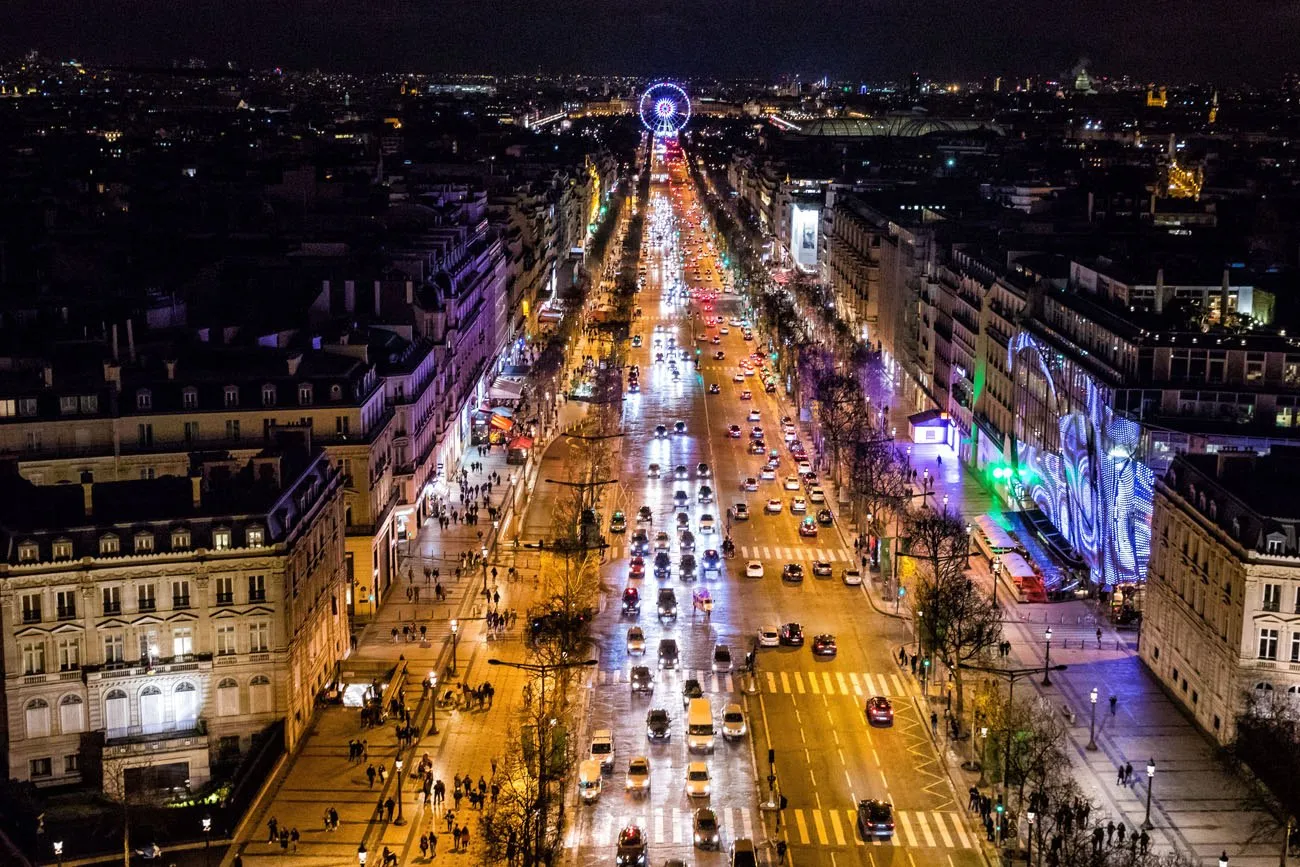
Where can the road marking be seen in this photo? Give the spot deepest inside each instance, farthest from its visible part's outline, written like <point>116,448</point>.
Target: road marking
<point>899,689</point>
<point>875,756</point>
<point>812,683</point>
<point>785,682</point>
<point>659,823</point>
<point>871,685</point>
<point>680,818</point>
<point>802,825</point>
<point>907,829</point>
<point>883,781</point>
<point>848,780</point>
<point>942,826</point>
<point>857,686</point>
<point>745,825</point>
<point>844,685</point>
<point>821,828</point>
<point>798,683</point>
<point>957,824</point>
<point>602,830</point>
<point>771,681</point>
<point>925,828</point>
<point>837,828</point>
<point>830,687</point>
<point>835,735</point>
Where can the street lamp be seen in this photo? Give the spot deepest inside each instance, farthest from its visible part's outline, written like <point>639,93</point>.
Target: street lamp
<point>58,853</point>
<point>1151,779</point>
<point>1092,724</point>
<point>397,763</point>
<point>1223,860</point>
<point>455,627</point>
<point>997,572</point>
<point>361,855</point>
<point>483,555</point>
<point>433,703</point>
<point>1029,850</point>
<point>1047,660</point>
<point>207,840</point>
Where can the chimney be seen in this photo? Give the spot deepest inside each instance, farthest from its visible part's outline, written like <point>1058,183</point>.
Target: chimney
<point>114,340</point>
<point>349,296</point>
<point>1160,290</point>
<point>1223,300</point>
<point>47,374</point>
<point>294,360</point>
<point>130,341</point>
<point>170,364</point>
<point>88,498</point>
<point>410,292</point>
<point>196,490</point>
<point>377,293</point>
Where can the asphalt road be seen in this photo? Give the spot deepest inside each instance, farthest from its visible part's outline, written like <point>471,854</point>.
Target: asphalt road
<point>809,710</point>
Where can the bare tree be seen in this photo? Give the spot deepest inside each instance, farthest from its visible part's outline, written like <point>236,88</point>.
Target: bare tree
<point>879,479</point>
<point>842,413</point>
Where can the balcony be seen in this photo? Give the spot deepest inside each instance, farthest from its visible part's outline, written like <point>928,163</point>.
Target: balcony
<point>179,602</point>
<point>225,599</point>
<point>67,613</point>
<point>112,608</point>
<point>1271,605</point>
<point>32,616</point>
<point>156,732</point>
<point>256,595</point>
<point>148,605</point>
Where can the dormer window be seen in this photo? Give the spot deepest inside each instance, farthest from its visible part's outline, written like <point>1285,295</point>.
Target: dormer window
<point>256,537</point>
<point>28,552</point>
<point>190,397</point>
<point>304,394</point>
<point>221,539</point>
<point>336,393</point>
<point>268,395</point>
<point>143,542</point>
<point>109,544</point>
<point>231,396</point>
<point>1214,511</point>
<point>180,538</point>
<point>61,549</point>
<point>1236,528</point>
<point>144,399</point>
<point>1275,543</point>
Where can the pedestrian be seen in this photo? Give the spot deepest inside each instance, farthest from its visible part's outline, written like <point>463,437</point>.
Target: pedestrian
<point>1114,700</point>
<point>972,799</point>
<point>1119,833</point>
<point>273,830</point>
<point>1119,776</point>
<point>464,836</point>
<point>912,660</point>
<point>934,724</point>
<point>294,836</point>
<point>370,775</point>
<point>424,846</point>
<point>1128,773</point>
<point>780,851</point>
<point>1098,836</point>
<point>456,796</point>
<point>449,816</point>
<point>433,844</point>
<point>455,836</point>
<point>389,804</point>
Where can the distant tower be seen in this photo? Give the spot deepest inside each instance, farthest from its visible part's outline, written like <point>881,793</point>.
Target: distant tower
<point>1157,97</point>
<point>914,86</point>
<point>1214,107</point>
<point>997,84</point>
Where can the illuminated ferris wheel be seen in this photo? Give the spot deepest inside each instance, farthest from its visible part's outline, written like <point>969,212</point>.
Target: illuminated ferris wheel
<point>664,109</point>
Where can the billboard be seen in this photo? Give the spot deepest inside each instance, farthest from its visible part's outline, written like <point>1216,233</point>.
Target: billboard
<point>804,220</point>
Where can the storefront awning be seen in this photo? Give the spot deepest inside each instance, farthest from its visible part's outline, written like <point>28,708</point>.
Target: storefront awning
<point>521,443</point>
<point>506,389</point>
<point>501,422</point>
<point>550,315</point>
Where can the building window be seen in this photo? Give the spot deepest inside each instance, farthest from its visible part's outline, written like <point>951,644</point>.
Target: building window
<point>147,473</point>
<point>1264,688</point>
<point>109,544</point>
<point>143,542</point>
<point>228,697</point>
<point>68,405</point>
<point>341,425</point>
<point>38,718</point>
<point>33,657</point>
<point>225,589</point>
<point>185,701</point>
<point>231,396</point>
<point>255,537</point>
<point>232,428</point>
<point>62,549</point>
<point>88,403</point>
<point>72,714</point>
<point>190,398</point>
<point>221,539</point>
<point>28,552</point>
<point>256,588</point>
<point>268,395</point>
<point>40,768</point>
<point>1272,597</point>
<point>226,639</point>
<point>31,603</point>
<point>180,593</point>
<point>191,432</point>
<point>69,654</point>
<point>304,394</point>
<point>182,640</point>
<point>180,539</point>
<point>145,597</point>
<point>1268,644</point>
<point>72,763</point>
<point>259,637</point>
<point>65,603</point>
<point>144,399</point>
<point>114,647</point>
<point>259,689</point>
<point>1275,545</point>
<point>1295,646</point>
<point>112,597</point>
<point>144,435</point>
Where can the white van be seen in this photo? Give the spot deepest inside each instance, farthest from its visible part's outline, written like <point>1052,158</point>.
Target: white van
<point>699,725</point>
<point>589,781</point>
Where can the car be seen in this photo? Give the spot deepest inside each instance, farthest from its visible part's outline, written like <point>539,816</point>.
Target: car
<point>705,494</point>
<point>697,780</point>
<point>792,635</point>
<point>634,387</point>
<point>679,471</point>
<point>734,431</point>
<point>680,500</point>
<point>754,415</point>
<point>810,481</point>
<point>803,468</point>
<point>683,520</point>
<point>739,377</point>
<point>740,512</point>
<point>618,523</point>
<point>661,431</point>
<point>645,516</point>
<point>691,689</point>
<point>714,388</point>
<point>662,541</point>
<point>808,527</point>
<point>824,645</point>
<point>852,577</point>
<point>708,524</point>
<point>602,748</point>
<point>767,473</point>
<point>658,725</point>
<point>816,495</point>
<point>638,775</point>
<point>798,505</point>
<point>716,340</point>
<point>719,355</point>
<point>668,653</point>
<point>822,569</point>
<point>704,829</point>
<point>756,433</point>
<point>824,517</point>
<point>875,819</point>
<point>746,394</point>
<point>791,483</point>
<point>631,851</point>
<point>721,658</point>
<point>702,470</point>
<point>757,447</point>
<point>640,542</point>
<point>667,603</point>
<point>754,569</point>
<point>748,335</point>
<point>733,721</point>
<point>653,471</point>
<point>631,601</point>
<point>724,330</point>
<point>663,563</point>
<point>686,568</point>
<point>641,679</point>
<point>773,507</point>
<point>792,573</point>
<point>769,636</point>
<point>636,341</point>
<point>636,567</point>
<point>635,641</point>
<point>879,711</point>
<point>679,427</point>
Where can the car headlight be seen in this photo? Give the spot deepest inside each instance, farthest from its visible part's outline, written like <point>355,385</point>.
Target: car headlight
<point>698,838</point>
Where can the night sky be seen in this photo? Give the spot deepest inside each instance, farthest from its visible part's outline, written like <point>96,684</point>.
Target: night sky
<point>1170,40</point>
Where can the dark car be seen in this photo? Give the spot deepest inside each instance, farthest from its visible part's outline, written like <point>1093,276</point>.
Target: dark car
<point>824,517</point>
<point>711,560</point>
<point>793,573</point>
<point>879,711</point>
<point>679,427</point>
<point>875,819</point>
<point>661,431</point>
<point>631,850</point>
<point>687,540</point>
<point>641,679</point>
<point>662,564</point>
<point>644,515</point>
<point>631,601</point>
<point>824,645</point>
<point>640,542</point>
<point>691,689</point>
<point>792,635</point>
<point>686,568</point>
<point>658,725</point>
<point>667,602</point>
<point>668,653</point>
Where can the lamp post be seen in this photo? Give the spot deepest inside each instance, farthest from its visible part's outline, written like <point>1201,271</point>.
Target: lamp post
<point>361,855</point>
<point>455,627</point>
<point>997,573</point>
<point>1029,849</point>
<point>397,764</point>
<point>1047,660</point>
<point>1151,779</point>
<point>58,852</point>
<point>207,840</point>
<point>483,555</point>
<point>433,703</point>
<point>1092,725</point>
<point>1223,859</point>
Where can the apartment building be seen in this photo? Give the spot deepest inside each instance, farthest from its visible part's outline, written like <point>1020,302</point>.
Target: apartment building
<point>152,627</point>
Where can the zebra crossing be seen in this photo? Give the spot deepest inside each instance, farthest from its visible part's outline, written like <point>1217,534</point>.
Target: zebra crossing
<point>766,553</point>
<point>930,829</point>
<point>858,684</point>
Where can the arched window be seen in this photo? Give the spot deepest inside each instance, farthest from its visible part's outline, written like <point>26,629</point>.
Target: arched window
<point>152,714</point>
<point>1264,687</point>
<point>228,697</point>
<point>72,714</point>
<point>260,694</point>
<point>185,700</point>
<point>117,712</point>
<point>38,718</point>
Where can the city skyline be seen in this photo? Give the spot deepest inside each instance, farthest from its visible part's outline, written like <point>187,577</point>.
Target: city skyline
<point>887,39</point>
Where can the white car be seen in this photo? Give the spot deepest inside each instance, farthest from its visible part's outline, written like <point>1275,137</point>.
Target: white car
<point>816,495</point>
<point>747,395</point>
<point>804,468</point>
<point>754,415</point>
<point>773,507</point>
<point>635,641</point>
<point>739,377</point>
<point>602,748</point>
<point>852,577</point>
<point>724,330</point>
<point>754,569</point>
<point>750,484</point>
<point>697,780</point>
<point>733,721</point>
<point>638,775</point>
<point>767,475</point>
<point>792,483</point>
<point>798,505</point>
<point>769,636</point>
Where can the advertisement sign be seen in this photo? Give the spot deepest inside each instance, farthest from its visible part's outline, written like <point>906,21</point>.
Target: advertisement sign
<point>803,234</point>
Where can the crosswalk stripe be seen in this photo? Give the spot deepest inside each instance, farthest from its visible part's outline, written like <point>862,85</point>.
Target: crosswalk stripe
<point>853,828</point>
<point>658,827</point>
<point>785,682</point>
<point>746,826</point>
<point>837,828</point>
<point>821,827</point>
<point>798,683</point>
<point>802,825</point>
<point>830,688</point>
<point>925,829</point>
<point>844,686</point>
<point>812,684</point>
<point>857,687</point>
<point>907,829</point>
<point>871,685</point>
<point>943,829</point>
<point>680,818</point>
<point>771,681</point>
<point>958,826</point>
<point>898,685</point>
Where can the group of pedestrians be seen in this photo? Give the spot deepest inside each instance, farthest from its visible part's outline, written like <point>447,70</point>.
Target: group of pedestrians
<point>287,838</point>
<point>1067,818</point>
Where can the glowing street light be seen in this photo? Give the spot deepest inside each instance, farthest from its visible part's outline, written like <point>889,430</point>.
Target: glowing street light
<point>1047,661</point>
